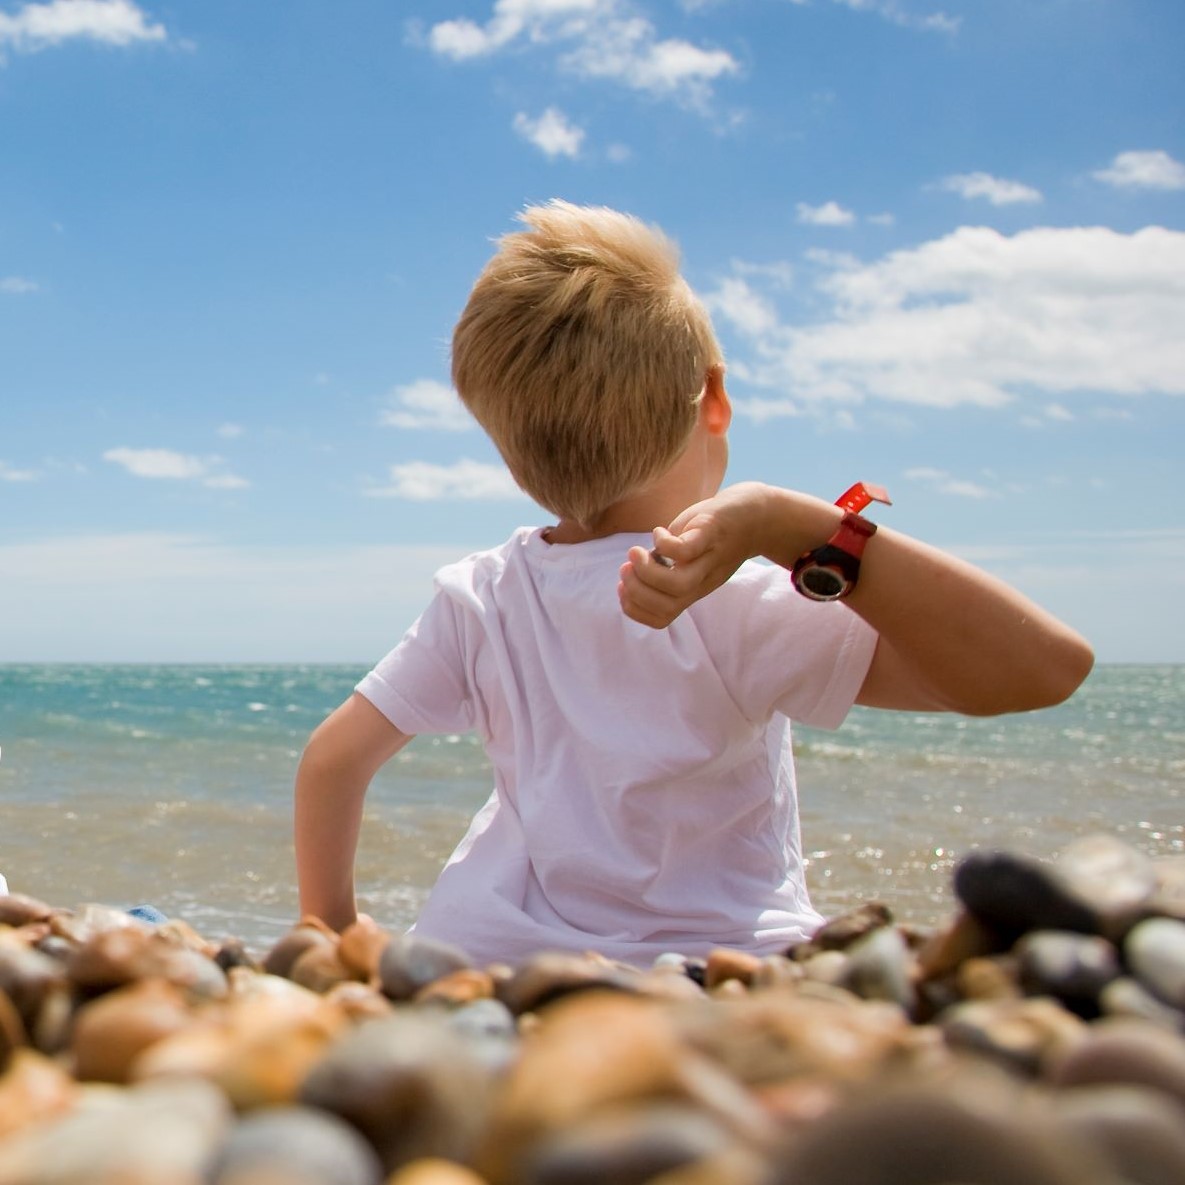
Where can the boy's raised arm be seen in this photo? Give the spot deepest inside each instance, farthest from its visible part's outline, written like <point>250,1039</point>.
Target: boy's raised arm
<point>951,637</point>
<point>335,771</point>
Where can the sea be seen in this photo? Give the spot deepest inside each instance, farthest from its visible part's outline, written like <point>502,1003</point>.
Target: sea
<point>172,786</point>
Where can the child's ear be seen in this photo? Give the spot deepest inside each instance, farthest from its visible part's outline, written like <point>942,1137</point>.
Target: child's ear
<point>715,407</point>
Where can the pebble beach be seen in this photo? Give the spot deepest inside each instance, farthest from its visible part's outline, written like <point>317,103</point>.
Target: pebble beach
<point>1034,1036</point>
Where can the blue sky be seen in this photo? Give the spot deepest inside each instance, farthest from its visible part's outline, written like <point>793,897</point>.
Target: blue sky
<point>943,242</point>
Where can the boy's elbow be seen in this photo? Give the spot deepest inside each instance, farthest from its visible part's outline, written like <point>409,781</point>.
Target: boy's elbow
<point>1071,671</point>
<point>1060,671</point>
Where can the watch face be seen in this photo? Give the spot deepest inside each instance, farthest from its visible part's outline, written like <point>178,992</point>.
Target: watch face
<point>822,583</point>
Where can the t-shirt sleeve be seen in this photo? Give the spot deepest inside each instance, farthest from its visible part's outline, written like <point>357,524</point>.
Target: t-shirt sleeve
<point>805,659</point>
<point>420,686</point>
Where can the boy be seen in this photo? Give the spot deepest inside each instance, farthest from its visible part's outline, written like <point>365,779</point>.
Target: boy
<point>644,797</point>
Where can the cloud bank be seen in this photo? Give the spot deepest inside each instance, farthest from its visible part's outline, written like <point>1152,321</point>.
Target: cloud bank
<point>975,317</point>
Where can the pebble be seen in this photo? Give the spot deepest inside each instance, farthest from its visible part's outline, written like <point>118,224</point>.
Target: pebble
<point>881,967</point>
<point>1155,951</point>
<point>1037,1037</point>
<point>409,962</point>
<point>1075,968</point>
<point>1138,1130</point>
<point>1022,1033</point>
<point>1011,894</point>
<point>918,1136</point>
<point>1128,997</point>
<point>297,1145</point>
<point>407,1082</point>
<point>1124,1052</point>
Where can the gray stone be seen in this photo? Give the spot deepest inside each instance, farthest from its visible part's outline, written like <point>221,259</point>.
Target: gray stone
<point>1126,996</point>
<point>1073,967</point>
<point>410,962</point>
<point>408,1082</point>
<point>298,1145</point>
<point>880,967</point>
<point>1114,880</point>
<point>1155,951</point>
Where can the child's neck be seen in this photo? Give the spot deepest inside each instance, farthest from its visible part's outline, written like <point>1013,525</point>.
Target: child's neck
<point>640,514</point>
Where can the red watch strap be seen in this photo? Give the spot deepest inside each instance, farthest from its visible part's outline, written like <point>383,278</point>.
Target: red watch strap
<point>853,533</point>
<point>856,497</point>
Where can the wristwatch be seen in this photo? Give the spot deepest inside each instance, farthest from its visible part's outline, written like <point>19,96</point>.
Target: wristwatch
<point>830,572</point>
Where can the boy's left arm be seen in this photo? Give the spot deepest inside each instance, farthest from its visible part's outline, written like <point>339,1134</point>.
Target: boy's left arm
<point>951,637</point>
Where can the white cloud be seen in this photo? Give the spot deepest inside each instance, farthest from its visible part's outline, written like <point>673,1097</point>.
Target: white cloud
<point>166,464</point>
<point>426,404</point>
<point>17,285</point>
<point>1144,170</point>
<point>941,482</point>
<point>828,214</point>
<point>8,473</point>
<point>230,431</point>
<point>111,22</point>
<point>737,302</point>
<point>978,317</point>
<point>551,133</point>
<point>997,190</point>
<point>465,480</point>
<point>601,39</point>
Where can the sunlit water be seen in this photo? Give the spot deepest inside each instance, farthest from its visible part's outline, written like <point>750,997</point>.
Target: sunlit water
<point>172,785</point>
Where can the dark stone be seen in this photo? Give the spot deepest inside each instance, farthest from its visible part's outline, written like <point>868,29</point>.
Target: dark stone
<point>922,1137</point>
<point>1073,967</point>
<point>625,1147</point>
<point>1013,894</point>
<point>410,962</point>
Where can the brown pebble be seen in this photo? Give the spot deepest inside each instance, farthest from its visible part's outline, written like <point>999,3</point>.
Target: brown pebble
<point>963,938</point>
<point>994,978</point>
<point>434,1171</point>
<point>547,977</point>
<point>919,1136</point>
<point>778,971</point>
<point>1022,1034</point>
<point>458,987</point>
<point>776,1035</point>
<point>725,964</point>
<point>597,1051</point>
<point>840,932</point>
<point>112,1031</point>
<point>309,931</point>
<point>1136,1128</point>
<point>1124,1051</point>
<point>319,968</point>
<point>361,947</point>
<point>33,1089</point>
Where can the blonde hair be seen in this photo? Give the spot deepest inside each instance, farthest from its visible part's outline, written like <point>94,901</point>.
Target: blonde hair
<point>583,353</point>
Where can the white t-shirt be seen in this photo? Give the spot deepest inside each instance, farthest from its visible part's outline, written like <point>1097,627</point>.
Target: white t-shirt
<point>644,797</point>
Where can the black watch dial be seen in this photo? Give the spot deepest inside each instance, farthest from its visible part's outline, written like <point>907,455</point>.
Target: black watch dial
<point>824,584</point>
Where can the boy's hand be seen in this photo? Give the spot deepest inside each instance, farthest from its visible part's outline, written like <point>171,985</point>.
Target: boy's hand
<point>705,545</point>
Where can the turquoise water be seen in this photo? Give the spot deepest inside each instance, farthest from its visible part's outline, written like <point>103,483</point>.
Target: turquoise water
<point>172,785</point>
